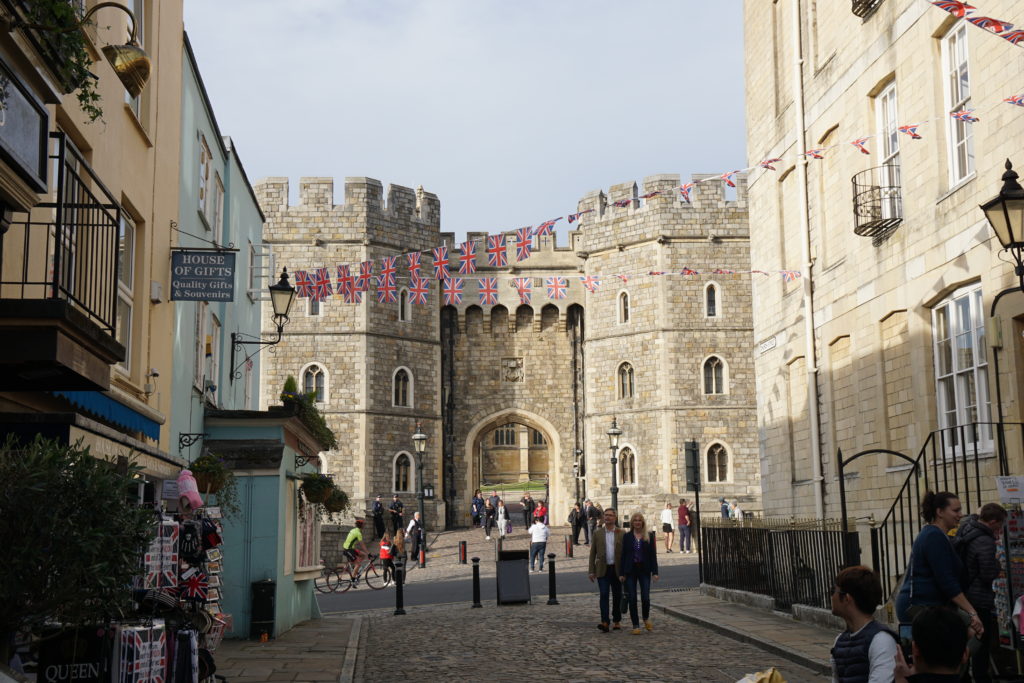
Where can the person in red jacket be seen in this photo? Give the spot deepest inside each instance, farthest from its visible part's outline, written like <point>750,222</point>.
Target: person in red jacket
<point>541,512</point>
<point>387,558</point>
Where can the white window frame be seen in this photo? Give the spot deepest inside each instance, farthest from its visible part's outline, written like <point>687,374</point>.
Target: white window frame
<point>327,385</point>
<point>199,359</point>
<point>887,121</point>
<point>412,472</point>
<point>213,365</point>
<point>717,313</point>
<point>728,463</point>
<point>966,381</point>
<point>394,386</point>
<point>956,75</point>
<point>505,429</point>
<point>126,287</point>
<point>622,307</point>
<point>205,167</point>
<point>620,391</point>
<point>217,217</point>
<point>725,375</point>
<point>620,463</point>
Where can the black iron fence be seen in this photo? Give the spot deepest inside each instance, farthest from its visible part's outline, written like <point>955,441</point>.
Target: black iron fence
<point>67,249</point>
<point>792,560</point>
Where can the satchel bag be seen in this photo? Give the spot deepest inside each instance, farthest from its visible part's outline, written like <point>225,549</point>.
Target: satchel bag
<point>508,527</point>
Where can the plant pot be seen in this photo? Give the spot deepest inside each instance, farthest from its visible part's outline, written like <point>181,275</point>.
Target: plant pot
<point>208,482</point>
<point>336,502</point>
<point>316,494</point>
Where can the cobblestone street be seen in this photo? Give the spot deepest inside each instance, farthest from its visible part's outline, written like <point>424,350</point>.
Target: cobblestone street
<point>539,642</point>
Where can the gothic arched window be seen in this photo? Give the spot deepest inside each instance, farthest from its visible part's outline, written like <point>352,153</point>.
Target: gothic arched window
<point>625,384</point>
<point>714,376</point>
<point>711,301</point>
<point>624,307</point>
<point>401,389</point>
<point>627,466</point>
<point>402,473</point>
<point>313,382</point>
<point>718,464</point>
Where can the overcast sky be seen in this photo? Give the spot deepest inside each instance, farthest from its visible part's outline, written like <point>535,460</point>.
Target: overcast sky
<point>509,110</point>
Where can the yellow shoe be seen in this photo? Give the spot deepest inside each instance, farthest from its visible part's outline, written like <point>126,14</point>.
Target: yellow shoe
<point>648,625</point>
<point>637,632</point>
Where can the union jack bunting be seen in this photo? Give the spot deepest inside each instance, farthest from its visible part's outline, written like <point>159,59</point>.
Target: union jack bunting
<point>656,272</point>
<point>685,190</point>
<point>859,144</point>
<point>727,177</point>
<point>759,272</point>
<point>1014,37</point>
<point>321,284</point>
<point>452,291</point>
<point>488,287</point>
<point>957,9</point>
<point>790,275</point>
<point>990,24</point>
<point>624,278</point>
<point>723,271</point>
<point>650,194</point>
<point>388,267</point>
<point>347,286</point>
<point>573,217</point>
<point>467,257</point>
<point>546,227</point>
<point>303,285</point>
<point>688,272</point>
<point>386,289</point>
<point>814,153</point>
<point>591,282</point>
<point>965,115</point>
<point>497,257</point>
<point>1016,99</point>
<point>523,285</point>
<point>769,164</point>
<point>911,130</point>
<point>365,274</point>
<point>524,243</point>
<point>419,289</point>
<point>622,202</point>
<point>441,263</point>
<point>413,260</point>
<point>557,287</point>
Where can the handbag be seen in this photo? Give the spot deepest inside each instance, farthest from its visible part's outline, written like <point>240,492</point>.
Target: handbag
<point>508,527</point>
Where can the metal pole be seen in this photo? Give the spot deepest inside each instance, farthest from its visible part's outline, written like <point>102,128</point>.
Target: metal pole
<point>568,545</point>
<point>419,496</point>
<point>551,580</point>
<point>476,582</point>
<point>399,580</point>
<point>615,483</point>
<point>423,547</point>
<point>462,552</point>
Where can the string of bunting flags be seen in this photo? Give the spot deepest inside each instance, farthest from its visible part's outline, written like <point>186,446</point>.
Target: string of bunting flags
<point>355,280</point>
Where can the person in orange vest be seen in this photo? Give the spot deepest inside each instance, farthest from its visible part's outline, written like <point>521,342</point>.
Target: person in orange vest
<point>387,558</point>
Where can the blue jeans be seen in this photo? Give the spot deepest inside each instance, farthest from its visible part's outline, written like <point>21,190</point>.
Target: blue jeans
<point>604,583</point>
<point>537,550</point>
<point>684,538</point>
<point>643,581</point>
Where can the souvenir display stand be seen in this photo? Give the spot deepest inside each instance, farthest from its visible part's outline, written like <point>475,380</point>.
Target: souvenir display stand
<point>1009,586</point>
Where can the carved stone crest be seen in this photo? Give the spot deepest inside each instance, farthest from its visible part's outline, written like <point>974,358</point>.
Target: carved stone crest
<point>512,370</point>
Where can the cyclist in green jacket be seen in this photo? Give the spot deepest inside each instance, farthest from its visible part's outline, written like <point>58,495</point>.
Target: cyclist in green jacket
<point>353,544</point>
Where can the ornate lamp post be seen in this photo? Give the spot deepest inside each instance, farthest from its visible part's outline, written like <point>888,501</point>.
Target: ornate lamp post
<point>613,442</point>
<point>419,441</point>
<point>282,295</point>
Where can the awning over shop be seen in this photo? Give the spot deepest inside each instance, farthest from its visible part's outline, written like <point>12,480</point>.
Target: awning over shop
<point>100,405</point>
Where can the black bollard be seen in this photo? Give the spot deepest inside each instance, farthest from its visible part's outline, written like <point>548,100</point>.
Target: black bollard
<point>462,552</point>
<point>551,580</point>
<point>399,579</point>
<point>423,548</point>
<point>476,582</point>
<point>568,546</point>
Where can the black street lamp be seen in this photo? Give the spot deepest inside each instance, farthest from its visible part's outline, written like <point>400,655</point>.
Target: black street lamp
<point>1005,213</point>
<point>419,442</point>
<point>613,442</point>
<point>282,295</point>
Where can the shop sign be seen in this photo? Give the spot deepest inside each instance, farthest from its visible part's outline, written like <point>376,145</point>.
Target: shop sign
<point>202,276</point>
<point>80,656</point>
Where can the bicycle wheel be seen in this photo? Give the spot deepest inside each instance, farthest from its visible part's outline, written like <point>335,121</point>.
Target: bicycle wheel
<point>374,577</point>
<point>345,580</point>
<point>326,582</point>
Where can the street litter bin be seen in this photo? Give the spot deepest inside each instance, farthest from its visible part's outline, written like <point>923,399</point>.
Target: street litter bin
<point>513,575</point>
<point>263,598</point>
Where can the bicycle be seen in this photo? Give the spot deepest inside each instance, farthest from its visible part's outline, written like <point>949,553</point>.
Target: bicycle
<point>342,578</point>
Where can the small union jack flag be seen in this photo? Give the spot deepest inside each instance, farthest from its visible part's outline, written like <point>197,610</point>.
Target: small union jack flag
<point>622,202</point>
<point>769,164</point>
<point>656,272</point>
<point>911,130</point>
<point>303,285</point>
<point>497,256</point>
<point>814,153</point>
<point>685,190</point>
<point>524,243</point>
<point>388,267</point>
<point>727,177</point>
<point>790,275</point>
<point>441,263</point>
<point>523,285</point>
<point>557,287</point>
<point>194,584</point>
<point>413,260</point>
<point>688,272</point>
<point>723,271</point>
<point>365,273</point>
<point>1014,37</point>
<point>321,284</point>
<point>591,282</point>
<point>419,289</point>
<point>965,115</point>
<point>386,289</point>
<point>624,278</point>
<point>467,257</point>
<point>346,283</point>
<point>859,144</point>
<point>1016,99</point>
<point>650,194</point>
<point>990,24</point>
<point>954,7</point>
<point>573,217</point>
<point>488,288</point>
<point>546,227</point>
<point>452,291</point>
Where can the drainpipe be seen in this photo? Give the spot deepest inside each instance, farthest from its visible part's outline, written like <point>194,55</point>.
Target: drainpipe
<point>811,360</point>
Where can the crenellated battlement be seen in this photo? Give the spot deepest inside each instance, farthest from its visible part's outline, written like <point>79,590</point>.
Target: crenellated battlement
<point>362,196</point>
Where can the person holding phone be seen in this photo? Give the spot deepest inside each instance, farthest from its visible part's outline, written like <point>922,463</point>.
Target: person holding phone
<point>938,647</point>
<point>866,650</point>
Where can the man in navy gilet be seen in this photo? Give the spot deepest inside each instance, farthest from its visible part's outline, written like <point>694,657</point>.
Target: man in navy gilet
<point>866,651</point>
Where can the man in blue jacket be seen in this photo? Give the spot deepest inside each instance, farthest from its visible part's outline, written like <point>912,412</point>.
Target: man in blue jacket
<point>976,544</point>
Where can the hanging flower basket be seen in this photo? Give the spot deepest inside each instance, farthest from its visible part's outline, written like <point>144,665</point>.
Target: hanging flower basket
<point>317,487</point>
<point>336,502</point>
<point>209,483</point>
<point>210,473</point>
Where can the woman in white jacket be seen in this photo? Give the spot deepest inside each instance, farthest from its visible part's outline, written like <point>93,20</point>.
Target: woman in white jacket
<point>503,519</point>
<point>667,527</point>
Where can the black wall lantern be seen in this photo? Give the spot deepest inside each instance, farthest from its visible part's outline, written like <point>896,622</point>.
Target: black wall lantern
<point>282,295</point>
<point>1005,213</point>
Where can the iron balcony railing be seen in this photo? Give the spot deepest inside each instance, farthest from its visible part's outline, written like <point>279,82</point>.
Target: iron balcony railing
<point>877,201</point>
<point>67,249</point>
<point>56,51</point>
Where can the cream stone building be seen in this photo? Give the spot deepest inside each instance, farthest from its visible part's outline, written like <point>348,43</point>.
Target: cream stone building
<point>514,391</point>
<point>886,342</point>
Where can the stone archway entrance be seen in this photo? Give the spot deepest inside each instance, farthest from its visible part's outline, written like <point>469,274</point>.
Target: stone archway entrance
<point>511,446</point>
